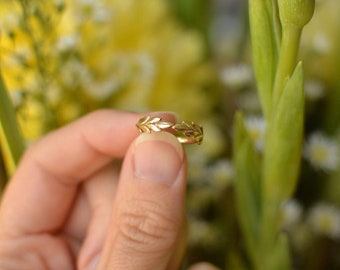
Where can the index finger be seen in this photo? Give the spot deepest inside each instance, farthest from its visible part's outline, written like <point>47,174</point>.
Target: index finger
<point>40,194</point>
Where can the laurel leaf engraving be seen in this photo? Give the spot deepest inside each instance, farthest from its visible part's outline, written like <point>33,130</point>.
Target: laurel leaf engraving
<point>148,124</point>
<point>184,131</point>
<point>189,132</point>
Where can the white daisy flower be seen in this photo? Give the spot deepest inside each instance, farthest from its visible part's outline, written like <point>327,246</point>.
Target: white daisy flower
<point>236,77</point>
<point>221,173</point>
<point>314,89</point>
<point>16,96</point>
<point>291,212</point>
<point>321,43</point>
<point>8,22</point>
<point>147,67</point>
<point>324,219</point>
<point>102,89</point>
<point>74,73</point>
<point>201,232</point>
<point>256,127</point>
<point>67,43</point>
<point>92,10</point>
<point>322,152</point>
<point>19,58</point>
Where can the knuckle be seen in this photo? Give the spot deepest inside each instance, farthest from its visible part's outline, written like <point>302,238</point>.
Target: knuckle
<point>145,227</point>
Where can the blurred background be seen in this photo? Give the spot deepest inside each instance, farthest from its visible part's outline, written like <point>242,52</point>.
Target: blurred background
<point>61,59</point>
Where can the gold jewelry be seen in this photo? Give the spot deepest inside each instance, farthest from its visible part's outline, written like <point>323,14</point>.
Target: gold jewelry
<point>185,132</point>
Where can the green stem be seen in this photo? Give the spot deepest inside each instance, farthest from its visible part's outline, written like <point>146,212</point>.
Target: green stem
<point>269,232</point>
<point>277,23</point>
<point>10,125</point>
<point>287,60</point>
<point>270,203</point>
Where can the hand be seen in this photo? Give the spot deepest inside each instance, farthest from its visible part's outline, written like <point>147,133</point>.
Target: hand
<point>70,205</point>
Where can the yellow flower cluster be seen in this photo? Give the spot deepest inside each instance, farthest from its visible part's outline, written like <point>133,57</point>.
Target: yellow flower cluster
<point>61,59</point>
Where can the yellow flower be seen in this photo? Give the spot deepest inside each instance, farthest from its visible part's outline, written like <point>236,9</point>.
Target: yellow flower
<point>125,54</point>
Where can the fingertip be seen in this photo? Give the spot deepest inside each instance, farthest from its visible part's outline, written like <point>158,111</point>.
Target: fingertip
<point>157,157</point>
<point>169,115</point>
<point>203,266</point>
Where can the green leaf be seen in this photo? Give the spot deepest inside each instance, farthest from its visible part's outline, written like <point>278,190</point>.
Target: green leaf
<point>264,50</point>
<point>284,141</point>
<point>247,163</point>
<point>11,134</point>
<point>279,258</point>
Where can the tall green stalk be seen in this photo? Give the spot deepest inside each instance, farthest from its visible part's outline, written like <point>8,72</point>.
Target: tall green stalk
<point>11,134</point>
<point>276,28</point>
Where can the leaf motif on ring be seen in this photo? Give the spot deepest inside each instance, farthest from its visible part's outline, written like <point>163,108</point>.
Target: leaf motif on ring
<point>189,131</point>
<point>147,124</point>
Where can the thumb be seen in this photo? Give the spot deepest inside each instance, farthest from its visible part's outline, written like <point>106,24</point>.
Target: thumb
<point>148,213</point>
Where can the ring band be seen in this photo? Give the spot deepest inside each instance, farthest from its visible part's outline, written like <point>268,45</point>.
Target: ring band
<point>185,132</point>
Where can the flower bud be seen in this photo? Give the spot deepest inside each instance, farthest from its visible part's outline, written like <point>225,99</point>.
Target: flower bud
<point>296,12</point>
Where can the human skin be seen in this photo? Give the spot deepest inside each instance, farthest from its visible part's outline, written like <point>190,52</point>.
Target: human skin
<point>72,204</point>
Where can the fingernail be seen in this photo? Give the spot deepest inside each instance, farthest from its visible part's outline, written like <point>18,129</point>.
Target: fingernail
<point>93,264</point>
<point>172,114</point>
<point>157,157</point>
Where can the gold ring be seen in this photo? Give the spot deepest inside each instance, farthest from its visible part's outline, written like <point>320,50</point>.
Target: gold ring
<point>184,131</point>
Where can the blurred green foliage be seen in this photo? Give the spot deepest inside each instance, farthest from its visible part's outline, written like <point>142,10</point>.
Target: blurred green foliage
<point>263,188</point>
